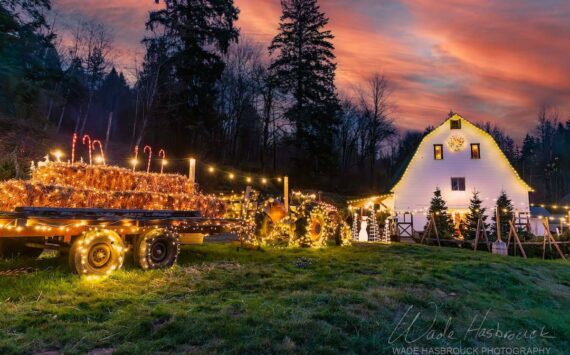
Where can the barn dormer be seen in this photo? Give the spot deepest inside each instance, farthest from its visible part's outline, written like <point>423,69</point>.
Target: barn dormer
<point>455,123</point>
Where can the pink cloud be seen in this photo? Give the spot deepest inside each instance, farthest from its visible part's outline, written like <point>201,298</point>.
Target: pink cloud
<point>489,60</point>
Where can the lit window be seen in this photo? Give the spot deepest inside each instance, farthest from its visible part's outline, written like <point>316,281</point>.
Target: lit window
<point>455,124</point>
<point>457,184</point>
<point>438,151</point>
<point>475,151</point>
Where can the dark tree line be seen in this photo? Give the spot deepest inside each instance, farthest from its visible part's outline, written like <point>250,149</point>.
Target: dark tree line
<point>202,89</point>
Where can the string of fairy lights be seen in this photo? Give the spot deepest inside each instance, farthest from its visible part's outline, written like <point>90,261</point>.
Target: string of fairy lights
<point>234,175</point>
<point>551,206</point>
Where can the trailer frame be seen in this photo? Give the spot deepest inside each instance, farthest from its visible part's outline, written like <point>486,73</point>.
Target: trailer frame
<point>73,230</point>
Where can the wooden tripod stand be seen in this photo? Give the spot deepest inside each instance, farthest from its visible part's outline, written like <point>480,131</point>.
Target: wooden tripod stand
<point>513,233</point>
<point>432,227</point>
<point>481,231</point>
<point>548,235</point>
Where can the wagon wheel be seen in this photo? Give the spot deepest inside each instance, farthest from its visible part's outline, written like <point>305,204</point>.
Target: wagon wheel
<point>317,229</point>
<point>97,252</point>
<point>277,234</point>
<point>14,247</point>
<point>156,249</point>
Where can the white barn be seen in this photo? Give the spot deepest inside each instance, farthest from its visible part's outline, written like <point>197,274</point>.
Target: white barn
<point>459,158</point>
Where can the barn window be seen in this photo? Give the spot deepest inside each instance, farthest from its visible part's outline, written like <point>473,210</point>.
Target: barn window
<point>455,124</point>
<point>457,184</point>
<point>438,151</point>
<point>475,151</point>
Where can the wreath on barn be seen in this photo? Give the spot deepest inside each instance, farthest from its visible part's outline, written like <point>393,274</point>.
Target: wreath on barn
<point>456,143</point>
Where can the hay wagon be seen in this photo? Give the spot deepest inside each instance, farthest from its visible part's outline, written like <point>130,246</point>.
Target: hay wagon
<point>98,215</point>
<point>97,240</point>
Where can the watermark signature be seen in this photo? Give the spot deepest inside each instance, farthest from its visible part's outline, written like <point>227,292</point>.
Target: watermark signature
<point>409,331</point>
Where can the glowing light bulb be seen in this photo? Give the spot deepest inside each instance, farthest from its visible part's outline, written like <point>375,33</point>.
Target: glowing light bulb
<point>248,179</point>
<point>98,159</point>
<point>58,154</point>
<point>231,176</point>
<point>264,181</point>
<point>211,169</point>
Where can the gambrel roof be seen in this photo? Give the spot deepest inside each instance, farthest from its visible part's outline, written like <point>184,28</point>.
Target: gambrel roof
<point>485,134</point>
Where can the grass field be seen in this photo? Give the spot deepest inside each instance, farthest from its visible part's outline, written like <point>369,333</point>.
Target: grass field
<point>336,300</point>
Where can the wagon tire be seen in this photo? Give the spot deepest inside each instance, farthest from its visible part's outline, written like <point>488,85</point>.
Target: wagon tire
<point>156,249</point>
<point>97,253</point>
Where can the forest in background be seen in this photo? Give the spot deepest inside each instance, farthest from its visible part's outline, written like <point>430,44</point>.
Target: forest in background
<point>203,90</point>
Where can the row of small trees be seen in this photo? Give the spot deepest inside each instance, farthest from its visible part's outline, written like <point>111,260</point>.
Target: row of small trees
<point>468,226</point>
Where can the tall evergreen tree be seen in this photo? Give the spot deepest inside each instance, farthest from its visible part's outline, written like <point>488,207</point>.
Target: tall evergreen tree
<point>528,158</point>
<point>196,35</point>
<point>29,64</point>
<point>304,66</point>
<point>469,227</point>
<point>443,221</point>
<point>113,97</point>
<point>506,211</point>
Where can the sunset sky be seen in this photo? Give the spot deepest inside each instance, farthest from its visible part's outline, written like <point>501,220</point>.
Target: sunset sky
<point>487,60</point>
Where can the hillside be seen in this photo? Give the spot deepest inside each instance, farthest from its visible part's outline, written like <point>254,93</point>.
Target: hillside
<point>335,300</point>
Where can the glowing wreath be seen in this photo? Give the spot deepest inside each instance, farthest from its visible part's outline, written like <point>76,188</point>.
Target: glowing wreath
<point>456,143</point>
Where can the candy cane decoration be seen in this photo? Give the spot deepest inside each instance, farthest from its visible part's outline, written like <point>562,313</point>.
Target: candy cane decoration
<point>135,159</point>
<point>100,149</point>
<point>162,155</point>
<point>73,144</point>
<point>88,147</point>
<point>149,156</point>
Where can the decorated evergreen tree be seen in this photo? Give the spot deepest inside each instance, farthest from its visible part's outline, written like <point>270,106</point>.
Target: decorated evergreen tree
<point>506,211</point>
<point>469,227</point>
<point>374,234</point>
<point>443,221</point>
<point>355,226</point>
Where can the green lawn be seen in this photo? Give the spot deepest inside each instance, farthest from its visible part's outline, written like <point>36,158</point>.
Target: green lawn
<point>336,300</point>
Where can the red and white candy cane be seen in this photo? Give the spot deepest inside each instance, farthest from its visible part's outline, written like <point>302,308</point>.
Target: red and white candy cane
<point>86,137</point>
<point>73,144</point>
<point>136,157</point>
<point>146,147</point>
<point>100,149</point>
<point>162,155</point>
